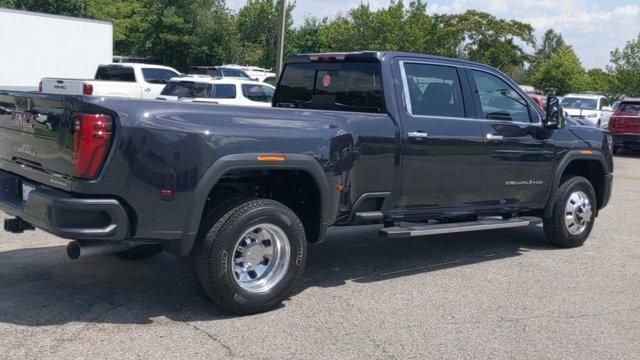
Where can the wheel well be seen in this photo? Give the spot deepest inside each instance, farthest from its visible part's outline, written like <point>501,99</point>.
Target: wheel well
<point>592,170</point>
<point>296,189</point>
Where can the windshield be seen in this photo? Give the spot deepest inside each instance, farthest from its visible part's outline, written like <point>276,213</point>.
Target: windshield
<point>235,73</point>
<point>579,103</point>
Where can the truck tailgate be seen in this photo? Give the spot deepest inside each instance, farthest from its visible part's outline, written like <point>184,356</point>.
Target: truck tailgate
<point>63,86</point>
<point>37,131</point>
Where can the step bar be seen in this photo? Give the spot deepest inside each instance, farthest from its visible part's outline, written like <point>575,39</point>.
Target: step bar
<point>412,230</point>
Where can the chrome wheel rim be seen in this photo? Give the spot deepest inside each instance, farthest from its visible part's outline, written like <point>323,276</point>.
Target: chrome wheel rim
<point>261,258</point>
<point>578,213</point>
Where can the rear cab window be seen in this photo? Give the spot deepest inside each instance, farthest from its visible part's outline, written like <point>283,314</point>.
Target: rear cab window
<point>346,86</point>
<point>631,108</point>
<point>116,73</point>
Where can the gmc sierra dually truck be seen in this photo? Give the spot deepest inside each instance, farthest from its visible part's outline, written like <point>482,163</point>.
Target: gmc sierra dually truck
<point>419,144</point>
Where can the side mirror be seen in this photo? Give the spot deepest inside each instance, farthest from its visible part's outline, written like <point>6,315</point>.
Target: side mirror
<point>555,116</point>
<point>607,108</point>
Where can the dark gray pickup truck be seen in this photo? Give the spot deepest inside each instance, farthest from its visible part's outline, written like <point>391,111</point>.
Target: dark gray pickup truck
<point>419,144</point>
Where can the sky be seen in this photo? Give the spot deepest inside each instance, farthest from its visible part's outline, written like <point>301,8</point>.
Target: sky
<point>592,27</point>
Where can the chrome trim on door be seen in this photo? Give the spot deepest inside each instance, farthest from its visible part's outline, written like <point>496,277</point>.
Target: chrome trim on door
<point>419,135</point>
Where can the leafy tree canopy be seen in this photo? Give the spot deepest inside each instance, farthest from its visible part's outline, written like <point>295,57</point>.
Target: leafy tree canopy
<point>184,33</point>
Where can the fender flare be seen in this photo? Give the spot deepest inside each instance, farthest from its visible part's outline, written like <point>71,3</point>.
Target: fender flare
<point>562,166</point>
<point>250,162</point>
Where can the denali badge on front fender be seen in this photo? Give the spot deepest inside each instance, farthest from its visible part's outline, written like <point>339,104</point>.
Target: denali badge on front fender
<point>523,182</point>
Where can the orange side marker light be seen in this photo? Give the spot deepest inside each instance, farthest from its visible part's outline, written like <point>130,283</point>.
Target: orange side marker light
<point>271,158</point>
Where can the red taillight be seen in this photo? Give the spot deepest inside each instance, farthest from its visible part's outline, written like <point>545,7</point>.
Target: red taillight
<point>40,86</point>
<point>87,89</point>
<point>91,136</point>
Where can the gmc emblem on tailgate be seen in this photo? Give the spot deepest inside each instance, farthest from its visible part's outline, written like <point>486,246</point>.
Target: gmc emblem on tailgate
<point>20,119</point>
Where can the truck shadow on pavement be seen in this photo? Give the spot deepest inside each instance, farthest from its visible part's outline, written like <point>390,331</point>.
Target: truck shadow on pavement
<point>41,286</point>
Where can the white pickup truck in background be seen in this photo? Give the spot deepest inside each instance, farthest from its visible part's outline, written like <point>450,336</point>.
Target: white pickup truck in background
<point>130,80</point>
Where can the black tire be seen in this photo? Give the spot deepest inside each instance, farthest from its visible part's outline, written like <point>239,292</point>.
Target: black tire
<point>616,150</point>
<point>214,252</point>
<point>554,226</point>
<point>141,252</point>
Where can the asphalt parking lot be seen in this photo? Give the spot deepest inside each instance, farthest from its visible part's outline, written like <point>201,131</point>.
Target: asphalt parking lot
<point>499,294</point>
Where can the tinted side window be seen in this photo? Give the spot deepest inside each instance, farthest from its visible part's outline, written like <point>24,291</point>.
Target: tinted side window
<point>268,92</point>
<point>254,92</point>
<point>224,91</point>
<point>157,76</point>
<point>116,73</point>
<point>348,86</point>
<point>499,101</point>
<point>434,90</point>
<point>271,80</point>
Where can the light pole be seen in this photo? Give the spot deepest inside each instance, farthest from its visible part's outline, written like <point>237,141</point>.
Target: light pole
<point>282,30</point>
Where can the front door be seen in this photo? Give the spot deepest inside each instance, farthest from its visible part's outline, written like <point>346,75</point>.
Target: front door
<point>442,145</point>
<point>520,151</point>
<point>153,81</point>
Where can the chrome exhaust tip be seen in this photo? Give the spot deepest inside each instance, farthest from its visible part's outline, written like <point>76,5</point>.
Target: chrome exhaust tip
<point>78,249</point>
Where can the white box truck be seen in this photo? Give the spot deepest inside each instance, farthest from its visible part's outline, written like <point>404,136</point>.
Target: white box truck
<point>43,45</point>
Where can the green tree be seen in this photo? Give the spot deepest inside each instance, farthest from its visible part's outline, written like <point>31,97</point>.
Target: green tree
<point>487,39</point>
<point>599,81</point>
<point>562,74</point>
<point>129,25</point>
<point>625,69</point>
<point>551,43</point>
<point>306,38</point>
<point>187,32</point>
<point>76,8</point>
<point>258,26</point>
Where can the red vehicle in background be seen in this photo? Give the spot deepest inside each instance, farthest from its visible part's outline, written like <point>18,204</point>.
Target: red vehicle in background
<point>539,99</point>
<point>624,125</point>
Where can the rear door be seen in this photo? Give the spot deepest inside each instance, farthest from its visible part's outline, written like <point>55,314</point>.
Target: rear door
<point>520,151</point>
<point>442,147</point>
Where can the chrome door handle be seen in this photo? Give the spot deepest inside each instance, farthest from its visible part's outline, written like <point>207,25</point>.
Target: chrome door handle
<point>495,137</point>
<point>419,135</point>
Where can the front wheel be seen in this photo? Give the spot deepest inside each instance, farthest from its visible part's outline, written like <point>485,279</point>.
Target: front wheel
<point>250,254</point>
<point>573,213</point>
